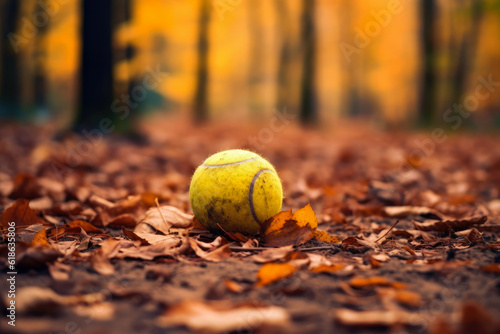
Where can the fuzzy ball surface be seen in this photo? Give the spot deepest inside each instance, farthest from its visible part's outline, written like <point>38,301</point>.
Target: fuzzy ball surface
<point>236,189</point>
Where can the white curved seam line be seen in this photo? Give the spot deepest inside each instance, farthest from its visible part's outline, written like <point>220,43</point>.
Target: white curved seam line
<point>250,192</point>
<point>229,164</point>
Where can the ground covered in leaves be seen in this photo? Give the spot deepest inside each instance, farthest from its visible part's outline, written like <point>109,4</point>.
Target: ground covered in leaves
<point>401,234</point>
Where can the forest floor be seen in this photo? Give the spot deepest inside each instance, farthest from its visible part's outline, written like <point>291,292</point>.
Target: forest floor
<point>417,217</point>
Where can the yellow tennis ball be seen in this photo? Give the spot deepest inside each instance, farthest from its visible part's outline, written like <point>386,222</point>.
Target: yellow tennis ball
<point>236,189</point>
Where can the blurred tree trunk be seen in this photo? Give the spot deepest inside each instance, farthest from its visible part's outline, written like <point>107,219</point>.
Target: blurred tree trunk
<point>466,53</point>
<point>283,97</point>
<point>40,78</point>
<point>308,102</point>
<point>10,71</point>
<point>96,70</point>
<point>255,68</point>
<point>427,98</point>
<point>352,98</point>
<point>200,107</point>
<point>127,114</point>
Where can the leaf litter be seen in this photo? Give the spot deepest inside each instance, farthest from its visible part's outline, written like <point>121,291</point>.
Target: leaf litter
<point>375,244</point>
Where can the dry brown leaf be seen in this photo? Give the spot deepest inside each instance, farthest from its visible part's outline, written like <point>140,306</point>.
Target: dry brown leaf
<point>109,249</point>
<point>25,187</point>
<point>493,268</point>
<point>87,227</point>
<point>123,220</point>
<point>38,300</point>
<point>173,218</point>
<point>223,317</point>
<point>350,318</point>
<point>173,246</point>
<point>59,271</point>
<point>35,257</point>
<point>272,254</point>
<point>272,272</point>
<point>454,225</point>
<point>21,214</point>
<point>29,233</point>
<point>405,211</point>
<point>327,268</point>
<point>233,286</point>
<point>216,255</point>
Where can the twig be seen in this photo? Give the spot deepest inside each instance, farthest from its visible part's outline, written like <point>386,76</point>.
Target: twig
<point>386,233</point>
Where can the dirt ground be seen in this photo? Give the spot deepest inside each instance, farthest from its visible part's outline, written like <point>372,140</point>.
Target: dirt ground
<point>417,215</point>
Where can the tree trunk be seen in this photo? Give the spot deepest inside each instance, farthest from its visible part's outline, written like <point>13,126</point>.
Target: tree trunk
<point>255,68</point>
<point>200,107</point>
<point>427,99</point>
<point>466,53</point>
<point>96,91</point>
<point>40,78</point>
<point>283,96</point>
<point>10,77</point>
<point>308,103</point>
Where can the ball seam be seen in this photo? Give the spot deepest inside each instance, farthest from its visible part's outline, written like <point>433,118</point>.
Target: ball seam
<point>250,192</point>
<point>230,163</point>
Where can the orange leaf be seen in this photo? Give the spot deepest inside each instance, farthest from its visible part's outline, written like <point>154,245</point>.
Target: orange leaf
<point>233,286</point>
<point>326,268</point>
<point>408,298</point>
<point>325,237</point>
<point>272,272</point>
<point>306,216</point>
<point>275,223</point>
<point>374,281</point>
<point>87,227</point>
<point>284,229</point>
<point>41,238</point>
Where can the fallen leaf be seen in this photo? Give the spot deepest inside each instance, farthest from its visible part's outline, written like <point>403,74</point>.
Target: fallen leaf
<point>272,254</point>
<point>405,211</point>
<point>454,225</point>
<point>273,272</point>
<point>374,281</point>
<point>216,255</point>
<point>87,227</point>
<point>408,298</point>
<point>109,249</point>
<point>350,318</point>
<point>493,268</point>
<point>327,268</point>
<point>40,239</point>
<point>233,286</point>
<point>173,218</point>
<point>223,317</point>
<point>286,229</point>
<point>38,300</point>
<point>29,233</point>
<point>306,216</point>
<point>25,187</point>
<point>325,237</point>
<point>59,271</point>
<point>21,214</point>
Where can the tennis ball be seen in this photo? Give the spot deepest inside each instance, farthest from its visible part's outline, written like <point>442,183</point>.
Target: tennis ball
<point>236,189</point>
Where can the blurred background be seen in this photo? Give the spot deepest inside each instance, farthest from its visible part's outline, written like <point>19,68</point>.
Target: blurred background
<point>393,63</point>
